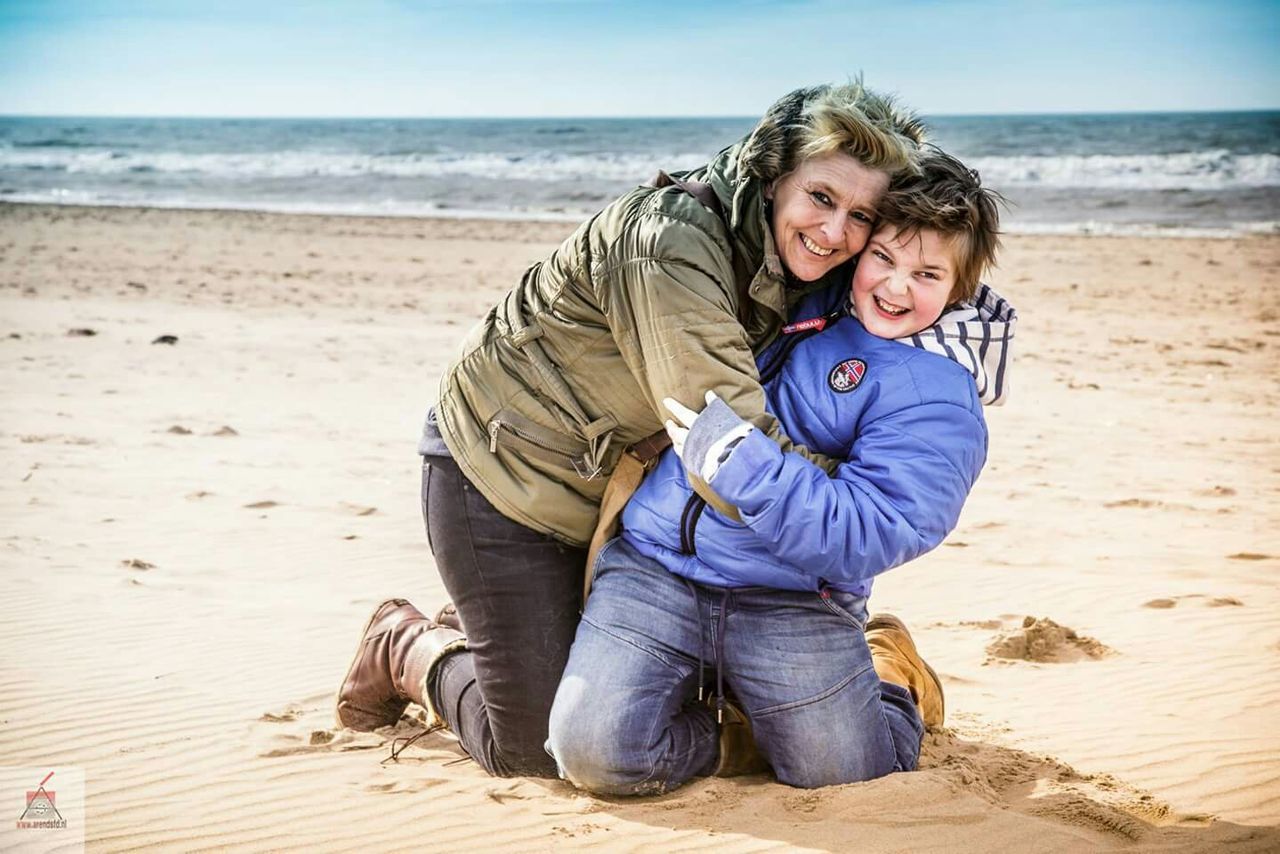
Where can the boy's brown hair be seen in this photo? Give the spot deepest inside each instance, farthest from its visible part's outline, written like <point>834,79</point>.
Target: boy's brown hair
<point>948,197</point>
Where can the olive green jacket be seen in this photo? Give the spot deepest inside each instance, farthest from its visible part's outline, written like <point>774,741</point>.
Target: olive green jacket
<point>641,302</point>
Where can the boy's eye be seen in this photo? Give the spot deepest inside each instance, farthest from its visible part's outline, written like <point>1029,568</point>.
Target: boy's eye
<point>925,274</point>
<point>883,257</point>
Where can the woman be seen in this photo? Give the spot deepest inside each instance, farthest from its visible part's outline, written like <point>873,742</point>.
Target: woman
<point>659,295</point>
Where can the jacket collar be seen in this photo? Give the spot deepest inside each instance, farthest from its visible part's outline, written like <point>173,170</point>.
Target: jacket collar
<point>977,335</point>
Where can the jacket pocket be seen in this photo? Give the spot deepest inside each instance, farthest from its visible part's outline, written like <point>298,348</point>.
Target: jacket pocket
<point>510,429</point>
<point>426,498</point>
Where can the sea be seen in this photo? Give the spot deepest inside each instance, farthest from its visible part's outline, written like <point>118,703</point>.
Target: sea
<point>1164,173</point>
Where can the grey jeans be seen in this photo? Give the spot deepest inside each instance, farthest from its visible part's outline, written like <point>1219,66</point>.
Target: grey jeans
<point>519,594</point>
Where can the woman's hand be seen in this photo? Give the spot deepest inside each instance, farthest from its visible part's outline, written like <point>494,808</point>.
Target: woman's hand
<point>704,440</point>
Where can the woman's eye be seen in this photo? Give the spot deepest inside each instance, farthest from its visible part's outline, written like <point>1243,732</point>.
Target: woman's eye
<point>821,198</point>
<point>860,217</point>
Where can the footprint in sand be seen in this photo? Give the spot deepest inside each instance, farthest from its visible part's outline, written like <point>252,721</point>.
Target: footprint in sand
<point>286,716</point>
<point>989,625</point>
<point>308,729</point>
<point>320,741</point>
<point>307,726</point>
<point>1207,601</point>
<point>1043,640</point>
<point>406,787</point>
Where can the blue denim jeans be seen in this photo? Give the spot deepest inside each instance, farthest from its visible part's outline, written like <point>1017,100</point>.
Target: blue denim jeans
<point>626,719</point>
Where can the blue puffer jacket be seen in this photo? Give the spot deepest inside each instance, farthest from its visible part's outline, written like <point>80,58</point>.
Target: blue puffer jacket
<point>906,415</point>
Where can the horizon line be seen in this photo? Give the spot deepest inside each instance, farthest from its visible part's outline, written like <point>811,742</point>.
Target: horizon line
<point>606,117</point>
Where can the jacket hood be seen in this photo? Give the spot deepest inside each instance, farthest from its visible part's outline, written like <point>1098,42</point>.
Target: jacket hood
<point>977,335</point>
<point>763,152</point>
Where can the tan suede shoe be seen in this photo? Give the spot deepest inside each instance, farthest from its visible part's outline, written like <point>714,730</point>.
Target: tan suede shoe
<point>894,655</point>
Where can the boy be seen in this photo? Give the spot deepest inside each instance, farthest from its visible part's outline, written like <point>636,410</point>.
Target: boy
<point>889,375</point>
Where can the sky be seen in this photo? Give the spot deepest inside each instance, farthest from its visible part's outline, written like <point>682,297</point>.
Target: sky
<point>599,58</point>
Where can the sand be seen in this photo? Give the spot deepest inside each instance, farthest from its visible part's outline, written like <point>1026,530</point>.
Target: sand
<point>195,531</point>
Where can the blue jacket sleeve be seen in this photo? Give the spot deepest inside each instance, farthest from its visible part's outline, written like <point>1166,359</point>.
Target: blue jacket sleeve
<point>896,497</point>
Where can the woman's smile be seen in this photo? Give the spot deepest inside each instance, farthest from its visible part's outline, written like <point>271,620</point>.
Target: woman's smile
<point>822,213</point>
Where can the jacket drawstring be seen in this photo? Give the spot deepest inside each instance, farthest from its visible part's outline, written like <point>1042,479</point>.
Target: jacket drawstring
<point>693,591</point>
<point>721,626</point>
<point>726,599</point>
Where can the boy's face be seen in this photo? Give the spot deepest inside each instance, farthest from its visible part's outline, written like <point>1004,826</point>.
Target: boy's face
<point>903,281</point>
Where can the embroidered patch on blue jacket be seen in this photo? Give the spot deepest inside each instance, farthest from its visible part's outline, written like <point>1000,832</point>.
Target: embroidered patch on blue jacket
<point>845,376</point>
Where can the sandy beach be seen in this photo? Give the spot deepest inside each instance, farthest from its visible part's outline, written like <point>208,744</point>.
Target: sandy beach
<point>195,532</point>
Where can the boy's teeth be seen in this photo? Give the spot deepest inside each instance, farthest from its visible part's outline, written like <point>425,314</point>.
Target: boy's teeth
<point>813,247</point>
<point>892,309</point>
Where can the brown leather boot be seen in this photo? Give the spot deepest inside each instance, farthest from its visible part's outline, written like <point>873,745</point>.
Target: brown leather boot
<point>396,654</point>
<point>738,752</point>
<point>448,616</point>
<point>894,655</point>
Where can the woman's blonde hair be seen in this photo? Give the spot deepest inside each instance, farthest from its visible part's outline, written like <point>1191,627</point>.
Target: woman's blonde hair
<point>820,120</point>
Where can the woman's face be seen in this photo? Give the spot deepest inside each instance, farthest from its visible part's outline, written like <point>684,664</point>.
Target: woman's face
<point>823,211</point>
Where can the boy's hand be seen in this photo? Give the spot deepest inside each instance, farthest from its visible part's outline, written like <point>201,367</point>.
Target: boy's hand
<point>704,440</point>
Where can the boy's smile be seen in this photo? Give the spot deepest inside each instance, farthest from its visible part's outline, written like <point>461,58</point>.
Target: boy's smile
<point>903,281</point>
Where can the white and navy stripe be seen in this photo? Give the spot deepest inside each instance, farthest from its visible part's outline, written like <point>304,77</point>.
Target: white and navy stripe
<point>977,335</point>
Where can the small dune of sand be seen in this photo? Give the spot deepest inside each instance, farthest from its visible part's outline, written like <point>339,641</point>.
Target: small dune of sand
<point>1043,640</point>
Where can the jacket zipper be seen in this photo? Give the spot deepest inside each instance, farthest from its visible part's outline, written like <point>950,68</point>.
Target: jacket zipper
<point>689,523</point>
<point>780,358</point>
<point>497,425</point>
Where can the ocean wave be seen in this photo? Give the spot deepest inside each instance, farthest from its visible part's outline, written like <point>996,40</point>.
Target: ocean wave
<point>1193,170</point>
<point>534,166</point>
<point>385,208</point>
<point>1142,229</point>
<point>59,142</point>
<point>1203,170</point>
